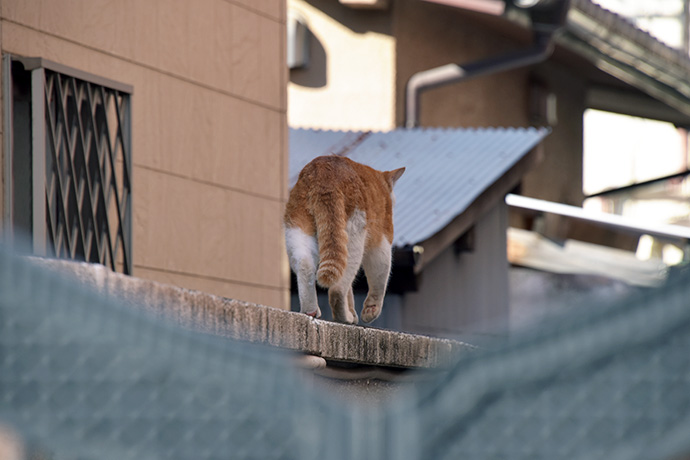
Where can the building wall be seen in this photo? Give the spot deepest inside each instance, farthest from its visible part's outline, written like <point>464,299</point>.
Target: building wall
<point>558,177</point>
<point>360,61</point>
<point>464,295</point>
<point>430,35</point>
<point>209,127</point>
<point>349,83</point>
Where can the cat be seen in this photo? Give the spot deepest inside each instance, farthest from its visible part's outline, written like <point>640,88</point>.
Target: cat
<point>339,216</point>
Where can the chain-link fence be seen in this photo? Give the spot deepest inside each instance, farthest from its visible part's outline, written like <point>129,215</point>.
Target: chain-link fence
<point>84,377</point>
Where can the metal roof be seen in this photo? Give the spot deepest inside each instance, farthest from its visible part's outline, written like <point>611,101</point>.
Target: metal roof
<point>447,169</point>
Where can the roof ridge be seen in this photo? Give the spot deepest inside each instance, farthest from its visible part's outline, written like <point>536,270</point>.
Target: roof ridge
<point>352,145</point>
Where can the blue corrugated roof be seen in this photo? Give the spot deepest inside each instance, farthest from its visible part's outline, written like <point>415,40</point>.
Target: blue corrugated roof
<point>447,169</point>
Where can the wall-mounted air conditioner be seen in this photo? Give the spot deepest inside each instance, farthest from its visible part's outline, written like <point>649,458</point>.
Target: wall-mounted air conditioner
<point>297,40</point>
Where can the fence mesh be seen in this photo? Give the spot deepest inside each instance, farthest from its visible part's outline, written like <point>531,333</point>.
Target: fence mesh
<point>85,377</point>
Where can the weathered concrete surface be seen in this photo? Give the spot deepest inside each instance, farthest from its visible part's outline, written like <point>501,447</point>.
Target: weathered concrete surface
<point>261,324</point>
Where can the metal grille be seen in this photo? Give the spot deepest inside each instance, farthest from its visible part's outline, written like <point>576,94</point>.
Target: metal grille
<point>68,180</point>
<point>88,184</point>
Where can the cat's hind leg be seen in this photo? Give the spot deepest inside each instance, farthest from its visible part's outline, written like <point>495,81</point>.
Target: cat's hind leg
<point>377,267</point>
<point>351,305</point>
<point>303,254</point>
<point>340,295</point>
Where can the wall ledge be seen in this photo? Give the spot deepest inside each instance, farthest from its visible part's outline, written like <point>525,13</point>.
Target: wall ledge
<point>256,323</point>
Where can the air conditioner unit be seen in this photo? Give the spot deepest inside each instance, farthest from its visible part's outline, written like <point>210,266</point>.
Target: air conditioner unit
<point>297,40</point>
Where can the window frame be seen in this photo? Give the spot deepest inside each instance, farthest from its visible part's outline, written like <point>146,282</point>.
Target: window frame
<point>79,147</point>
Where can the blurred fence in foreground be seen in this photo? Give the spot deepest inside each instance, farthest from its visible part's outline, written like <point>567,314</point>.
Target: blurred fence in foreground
<point>83,377</point>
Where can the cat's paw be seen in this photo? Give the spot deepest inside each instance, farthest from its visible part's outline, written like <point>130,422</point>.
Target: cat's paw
<point>347,318</point>
<point>355,319</point>
<point>371,310</point>
<point>351,318</point>
<point>314,314</point>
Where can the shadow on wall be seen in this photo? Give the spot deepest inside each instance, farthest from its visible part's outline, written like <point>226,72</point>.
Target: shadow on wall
<point>313,75</point>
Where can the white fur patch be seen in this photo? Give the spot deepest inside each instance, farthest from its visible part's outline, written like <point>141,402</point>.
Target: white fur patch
<point>356,237</point>
<point>300,246</point>
<point>356,225</point>
<point>304,256</point>
<point>377,265</point>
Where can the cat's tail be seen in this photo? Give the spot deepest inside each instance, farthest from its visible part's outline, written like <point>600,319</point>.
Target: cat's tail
<point>331,234</point>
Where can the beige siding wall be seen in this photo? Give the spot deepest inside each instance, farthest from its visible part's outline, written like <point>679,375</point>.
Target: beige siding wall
<point>350,81</point>
<point>208,123</point>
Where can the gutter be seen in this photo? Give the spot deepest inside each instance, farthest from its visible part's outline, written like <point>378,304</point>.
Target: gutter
<point>546,21</point>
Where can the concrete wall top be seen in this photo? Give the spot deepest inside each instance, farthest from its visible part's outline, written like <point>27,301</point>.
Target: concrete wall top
<point>262,324</point>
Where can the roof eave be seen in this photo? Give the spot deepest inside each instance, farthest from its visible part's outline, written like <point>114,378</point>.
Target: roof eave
<point>618,48</point>
<point>490,197</point>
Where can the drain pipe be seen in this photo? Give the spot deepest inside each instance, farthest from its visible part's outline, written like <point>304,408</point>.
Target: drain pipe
<point>453,73</point>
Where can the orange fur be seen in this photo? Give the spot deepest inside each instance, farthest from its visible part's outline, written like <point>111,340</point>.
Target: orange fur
<point>328,193</point>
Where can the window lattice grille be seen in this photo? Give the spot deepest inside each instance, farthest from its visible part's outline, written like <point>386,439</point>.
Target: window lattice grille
<point>87,167</point>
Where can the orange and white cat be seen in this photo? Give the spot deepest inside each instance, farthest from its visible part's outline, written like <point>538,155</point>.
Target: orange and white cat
<point>339,216</point>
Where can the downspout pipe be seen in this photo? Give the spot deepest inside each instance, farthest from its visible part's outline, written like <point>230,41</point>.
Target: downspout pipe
<point>540,50</point>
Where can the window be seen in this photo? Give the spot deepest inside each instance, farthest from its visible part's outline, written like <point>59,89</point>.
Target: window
<point>68,177</point>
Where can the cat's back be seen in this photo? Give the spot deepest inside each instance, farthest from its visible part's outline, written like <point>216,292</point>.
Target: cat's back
<point>325,178</point>
<point>329,171</point>
<point>333,176</point>
<point>337,181</point>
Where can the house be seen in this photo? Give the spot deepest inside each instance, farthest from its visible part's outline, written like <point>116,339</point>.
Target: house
<point>364,56</point>
<point>361,60</point>
<point>450,273</point>
<point>162,147</point>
